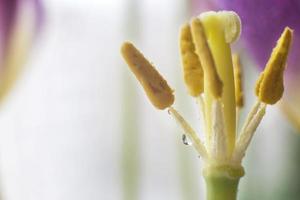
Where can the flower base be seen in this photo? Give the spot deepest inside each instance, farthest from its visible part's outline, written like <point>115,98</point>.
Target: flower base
<point>222,182</point>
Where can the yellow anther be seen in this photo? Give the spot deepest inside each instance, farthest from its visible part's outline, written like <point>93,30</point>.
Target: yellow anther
<point>239,96</point>
<point>269,87</point>
<point>155,86</point>
<point>206,58</point>
<point>192,69</point>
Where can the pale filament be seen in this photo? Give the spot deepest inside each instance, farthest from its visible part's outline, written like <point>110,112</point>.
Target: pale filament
<point>189,131</point>
<point>252,122</point>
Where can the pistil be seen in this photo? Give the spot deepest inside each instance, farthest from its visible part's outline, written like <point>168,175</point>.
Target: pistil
<point>222,28</point>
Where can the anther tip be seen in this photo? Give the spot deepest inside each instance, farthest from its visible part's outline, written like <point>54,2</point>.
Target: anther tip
<point>125,45</point>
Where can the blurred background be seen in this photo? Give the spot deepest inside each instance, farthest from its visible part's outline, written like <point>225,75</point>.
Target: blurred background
<point>77,125</point>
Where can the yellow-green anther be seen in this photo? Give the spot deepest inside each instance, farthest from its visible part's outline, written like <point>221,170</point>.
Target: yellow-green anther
<point>269,87</point>
<point>221,29</point>
<point>239,96</point>
<point>155,86</point>
<point>202,49</point>
<point>192,69</point>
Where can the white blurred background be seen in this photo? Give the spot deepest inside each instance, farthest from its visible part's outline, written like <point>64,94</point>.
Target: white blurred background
<point>78,126</point>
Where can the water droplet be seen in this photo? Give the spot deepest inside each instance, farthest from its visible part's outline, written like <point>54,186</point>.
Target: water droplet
<point>185,140</point>
<point>169,111</point>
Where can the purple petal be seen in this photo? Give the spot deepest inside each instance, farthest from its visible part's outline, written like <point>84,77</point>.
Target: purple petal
<point>39,13</point>
<point>7,17</point>
<point>19,22</point>
<point>10,14</point>
<point>199,6</point>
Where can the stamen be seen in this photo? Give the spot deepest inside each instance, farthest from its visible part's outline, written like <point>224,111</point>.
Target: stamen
<point>191,134</point>
<point>269,87</point>
<point>247,134</point>
<point>219,139</point>
<point>206,58</point>
<point>192,69</point>
<point>201,103</point>
<point>155,86</point>
<point>239,96</point>
<point>251,114</point>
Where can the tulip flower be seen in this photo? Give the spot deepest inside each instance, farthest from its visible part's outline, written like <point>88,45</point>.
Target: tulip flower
<point>19,22</point>
<point>263,22</point>
<point>212,75</point>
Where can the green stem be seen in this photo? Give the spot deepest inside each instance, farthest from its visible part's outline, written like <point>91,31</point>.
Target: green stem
<point>222,181</point>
